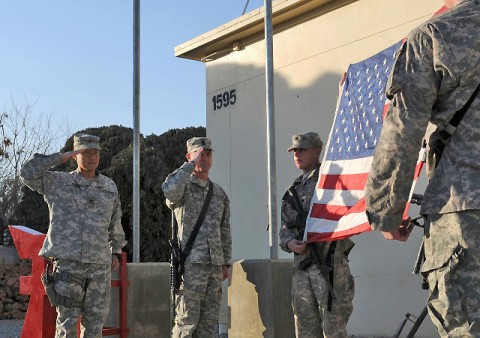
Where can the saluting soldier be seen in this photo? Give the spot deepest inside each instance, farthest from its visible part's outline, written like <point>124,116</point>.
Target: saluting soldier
<point>206,266</point>
<point>85,237</point>
<point>436,74</point>
<point>322,286</point>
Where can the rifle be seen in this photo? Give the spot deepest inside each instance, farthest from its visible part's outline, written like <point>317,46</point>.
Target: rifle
<point>300,222</point>
<point>417,321</point>
<point>176,268</point>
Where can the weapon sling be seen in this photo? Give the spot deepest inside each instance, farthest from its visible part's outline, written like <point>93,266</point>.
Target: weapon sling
<point>185,252</point>
<point>176,276</point>
<point>440,138</point>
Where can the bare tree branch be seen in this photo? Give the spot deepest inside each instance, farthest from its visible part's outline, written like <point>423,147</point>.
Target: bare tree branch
<point>23,132</point>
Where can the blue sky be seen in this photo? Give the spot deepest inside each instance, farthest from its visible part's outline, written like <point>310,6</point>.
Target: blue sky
<point>73,60</point>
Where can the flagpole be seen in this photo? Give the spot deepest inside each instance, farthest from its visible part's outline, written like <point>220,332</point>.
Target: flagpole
<point>136,132</point>
<point>270,110</point>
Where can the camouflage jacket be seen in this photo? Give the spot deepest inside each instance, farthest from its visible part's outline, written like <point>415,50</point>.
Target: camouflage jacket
<point>293,224</point>
<point>85,216</point>
<point>435,73</point>
<point>185,195</point>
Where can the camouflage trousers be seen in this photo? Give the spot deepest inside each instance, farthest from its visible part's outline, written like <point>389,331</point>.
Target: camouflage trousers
<point>310,292</point>
<point>452,268</point>
<point>198,301</point>
<point>95,296</point>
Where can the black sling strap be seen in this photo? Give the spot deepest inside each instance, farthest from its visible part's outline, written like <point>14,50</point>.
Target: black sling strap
<point>186,251</point>
<point>440,138</point>
<point>460,113</point>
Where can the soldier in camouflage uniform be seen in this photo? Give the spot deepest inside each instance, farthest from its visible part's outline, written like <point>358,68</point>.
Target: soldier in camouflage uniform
<point>198,302</point>
<point>435,74</point>
<point>321,274</point>
<point>85,236</point>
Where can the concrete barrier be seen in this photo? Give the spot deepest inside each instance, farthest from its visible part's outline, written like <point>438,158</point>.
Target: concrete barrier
<point>148,300</point>
<point>259,299</point>
<point>259,302</point>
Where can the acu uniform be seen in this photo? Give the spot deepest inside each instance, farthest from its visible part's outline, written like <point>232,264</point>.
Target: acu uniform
<point>311,286</point>
<point>84,232</point>
<point>199,298</point>
<point>436,72</point>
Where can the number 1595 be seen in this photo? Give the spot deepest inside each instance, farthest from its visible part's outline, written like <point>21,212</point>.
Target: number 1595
<point>224,99</point>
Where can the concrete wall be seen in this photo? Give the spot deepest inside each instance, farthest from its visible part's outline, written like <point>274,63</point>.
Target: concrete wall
<point>259,302</point>
<point>309,60</point>
<point>148,300</point>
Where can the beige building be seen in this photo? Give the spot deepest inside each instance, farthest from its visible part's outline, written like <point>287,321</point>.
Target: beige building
<point>314,42</point>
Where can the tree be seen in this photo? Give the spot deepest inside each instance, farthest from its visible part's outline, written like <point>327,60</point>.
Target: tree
<point>23,132</point>
<point>160,155</point>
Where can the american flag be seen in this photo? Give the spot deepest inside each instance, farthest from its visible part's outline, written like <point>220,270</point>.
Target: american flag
<point>338,206</point>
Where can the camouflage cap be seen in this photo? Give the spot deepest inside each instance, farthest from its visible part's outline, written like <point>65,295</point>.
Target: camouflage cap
<point>85,141</point>
<point>304,141</point>
<point>198,142</point>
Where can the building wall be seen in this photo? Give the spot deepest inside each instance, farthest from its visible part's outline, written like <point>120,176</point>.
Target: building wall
<point>309,60</point>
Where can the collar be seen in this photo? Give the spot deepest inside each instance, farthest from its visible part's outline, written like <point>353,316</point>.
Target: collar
<point>300,179</point>
<point>194,179</point>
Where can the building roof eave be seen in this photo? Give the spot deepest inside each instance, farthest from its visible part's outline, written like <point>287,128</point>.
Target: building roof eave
<point>249,28</point>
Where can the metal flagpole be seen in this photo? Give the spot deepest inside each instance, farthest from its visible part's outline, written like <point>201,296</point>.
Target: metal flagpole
<point>136,131</point>
<point>272,172</point>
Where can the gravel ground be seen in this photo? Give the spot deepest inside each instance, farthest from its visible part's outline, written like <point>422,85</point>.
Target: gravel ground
<point>10,328</point>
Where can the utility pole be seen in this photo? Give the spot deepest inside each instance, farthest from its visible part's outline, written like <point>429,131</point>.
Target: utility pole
<point>136,131</point>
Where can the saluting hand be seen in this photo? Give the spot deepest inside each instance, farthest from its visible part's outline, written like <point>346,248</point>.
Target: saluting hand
<point>198,156</point>
<point>69,154</point>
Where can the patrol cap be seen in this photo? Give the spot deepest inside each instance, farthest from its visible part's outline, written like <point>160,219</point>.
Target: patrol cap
<point>304,141</point>
<point>85,141</point>
<point>198,142</point>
